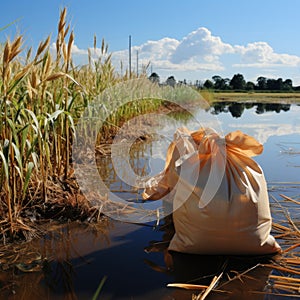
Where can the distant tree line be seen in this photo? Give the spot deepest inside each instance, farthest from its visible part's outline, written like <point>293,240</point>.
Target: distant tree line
<point>236,83</point>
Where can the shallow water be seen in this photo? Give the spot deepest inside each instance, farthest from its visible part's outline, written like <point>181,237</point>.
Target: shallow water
<point>132,257</point>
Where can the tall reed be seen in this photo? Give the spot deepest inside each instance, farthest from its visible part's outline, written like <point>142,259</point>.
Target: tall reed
<point>42,95</point>
<point>37,122</point>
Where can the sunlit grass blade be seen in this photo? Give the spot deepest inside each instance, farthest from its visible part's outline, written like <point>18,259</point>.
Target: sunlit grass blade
<point>97,293</point>
<point>30,167</point>
<point>4,158</point>
<point>18,157</point>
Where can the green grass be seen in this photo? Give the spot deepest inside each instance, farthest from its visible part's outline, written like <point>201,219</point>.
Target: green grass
<point>251,96</point>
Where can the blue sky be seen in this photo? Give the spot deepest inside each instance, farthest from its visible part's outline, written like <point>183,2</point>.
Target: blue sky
<point>187,39</point>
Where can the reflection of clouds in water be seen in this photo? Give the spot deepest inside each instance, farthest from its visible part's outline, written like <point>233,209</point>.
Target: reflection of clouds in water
<point>157,155</point>
<point>159,149</point>
<point>160,146</point>
<point>263,131</point>
<point>156,165</point>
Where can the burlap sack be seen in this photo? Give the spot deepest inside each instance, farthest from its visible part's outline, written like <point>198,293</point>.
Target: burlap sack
<point>219,194</point>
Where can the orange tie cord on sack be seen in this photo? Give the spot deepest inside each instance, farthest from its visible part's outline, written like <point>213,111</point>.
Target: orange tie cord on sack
<point>218,192</point>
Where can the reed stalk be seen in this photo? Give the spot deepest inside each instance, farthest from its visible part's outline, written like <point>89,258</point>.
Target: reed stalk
<point>42,95</point>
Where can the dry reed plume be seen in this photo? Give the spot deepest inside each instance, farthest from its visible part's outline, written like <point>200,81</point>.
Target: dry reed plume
<point>42,95</point>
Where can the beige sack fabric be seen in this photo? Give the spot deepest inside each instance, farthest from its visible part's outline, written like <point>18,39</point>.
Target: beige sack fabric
<point>219,194</point>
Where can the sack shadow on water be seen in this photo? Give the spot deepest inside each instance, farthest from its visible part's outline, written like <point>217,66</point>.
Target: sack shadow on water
<point>243,277</point>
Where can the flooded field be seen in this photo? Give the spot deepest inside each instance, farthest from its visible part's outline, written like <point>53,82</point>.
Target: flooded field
<point>131,260</point>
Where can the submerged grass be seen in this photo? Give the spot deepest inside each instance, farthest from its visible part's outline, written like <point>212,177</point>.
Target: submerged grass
<point>97,293</point>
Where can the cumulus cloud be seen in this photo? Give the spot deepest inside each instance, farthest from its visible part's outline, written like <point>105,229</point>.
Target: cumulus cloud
<point>200,45</point>
<point>156,52</point>
<point>199,50</point>
<point>261,54</point>
<point>75,49</point>
<point>263,131</point>
<point>78,51</point>
<point>161,49</point>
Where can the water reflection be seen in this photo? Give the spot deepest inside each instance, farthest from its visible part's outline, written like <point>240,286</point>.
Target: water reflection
<point>70,261</point>
<point>76,257</point>
<point>237,108</point>
<point>243,277</point>
<point>247,280</point>
<point>44,268</point>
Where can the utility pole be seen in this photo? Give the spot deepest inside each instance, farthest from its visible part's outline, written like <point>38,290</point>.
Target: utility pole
<point>137,63</point>
<point>129,56</point>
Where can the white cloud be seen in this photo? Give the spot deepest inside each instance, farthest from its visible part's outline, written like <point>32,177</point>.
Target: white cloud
<point>261,54</point>
<point>79,55</point>
<point>156,52</point>
<point>78,51</point>
<point>161,49</point>
<point>200,45</point>
<point>200,52</point>
<point>262,132</point>
<point>75,49</point>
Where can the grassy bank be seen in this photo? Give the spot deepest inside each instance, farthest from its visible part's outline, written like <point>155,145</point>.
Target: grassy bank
<point>273,97</point>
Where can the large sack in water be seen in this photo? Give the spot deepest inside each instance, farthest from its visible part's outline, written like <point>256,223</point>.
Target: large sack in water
<point>219,194</point>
